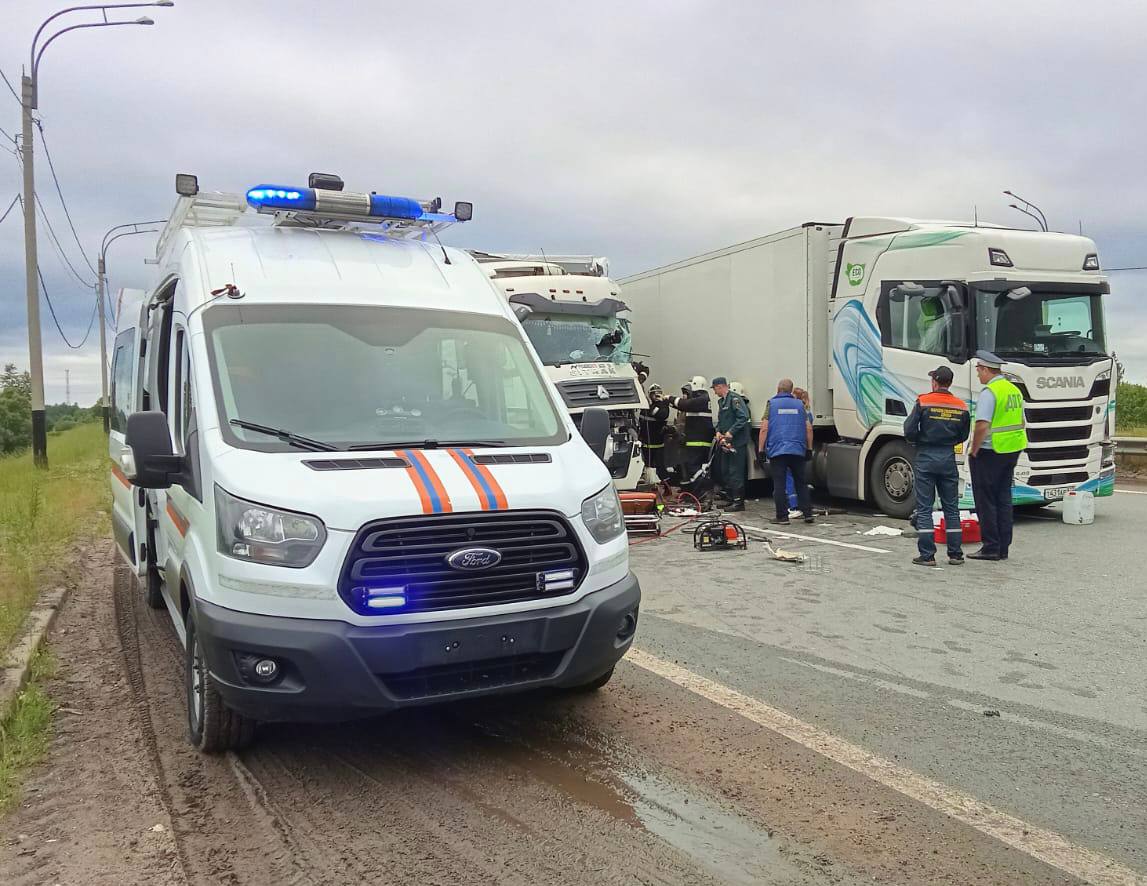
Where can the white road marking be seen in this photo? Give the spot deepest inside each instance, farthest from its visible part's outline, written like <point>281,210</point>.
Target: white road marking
<point>822,541</point>
<point>863,678</point>
<point>1044,845</point>
<point>1132,491</point>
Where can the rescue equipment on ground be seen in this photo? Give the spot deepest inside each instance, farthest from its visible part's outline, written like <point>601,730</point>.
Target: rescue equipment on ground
<point>1079,508</point>
<point>969,528</point>
<point>713,535</point>
<point>642,512</point>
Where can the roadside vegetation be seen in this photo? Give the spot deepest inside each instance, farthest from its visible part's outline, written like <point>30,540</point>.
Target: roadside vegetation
<point>1131,410</point>
<point>42,513</point>
<point>24,731</point>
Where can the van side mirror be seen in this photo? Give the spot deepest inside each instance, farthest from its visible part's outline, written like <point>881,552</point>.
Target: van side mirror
<point>595,429</point>
<point>156,464</point>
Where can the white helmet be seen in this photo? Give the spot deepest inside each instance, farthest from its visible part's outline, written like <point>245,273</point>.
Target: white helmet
<point>697,383</point>
<point>737,388</point>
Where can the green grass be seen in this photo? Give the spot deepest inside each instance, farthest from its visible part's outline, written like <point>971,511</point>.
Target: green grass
<point>25,732</point>
<point>44,513</point>
<point>1131,432</point>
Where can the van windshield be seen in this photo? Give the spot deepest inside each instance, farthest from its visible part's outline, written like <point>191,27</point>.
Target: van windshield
<point>363,376</point>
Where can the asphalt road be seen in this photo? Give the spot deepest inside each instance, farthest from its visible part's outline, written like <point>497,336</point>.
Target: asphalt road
<point>777,723</point>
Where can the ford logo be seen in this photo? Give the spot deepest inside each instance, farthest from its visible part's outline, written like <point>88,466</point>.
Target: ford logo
<point>474,558</point>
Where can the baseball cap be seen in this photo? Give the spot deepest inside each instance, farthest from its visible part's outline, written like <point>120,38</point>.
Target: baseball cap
<point>719,380</point>
<point>943,375</point>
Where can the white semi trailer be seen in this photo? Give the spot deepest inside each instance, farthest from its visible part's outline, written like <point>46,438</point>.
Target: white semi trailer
<point>858,313</point>
<point>572,313</point>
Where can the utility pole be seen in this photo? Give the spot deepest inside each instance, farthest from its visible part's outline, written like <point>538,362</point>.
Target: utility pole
<point>67,387</point>
<point>32,283</point>
<point>29,102</point>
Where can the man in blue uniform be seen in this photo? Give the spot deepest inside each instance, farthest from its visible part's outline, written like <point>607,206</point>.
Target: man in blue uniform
<point>939,422</point>
<point>786,435</point>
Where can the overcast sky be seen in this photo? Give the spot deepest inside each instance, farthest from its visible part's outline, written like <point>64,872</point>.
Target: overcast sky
<point>646,132</point>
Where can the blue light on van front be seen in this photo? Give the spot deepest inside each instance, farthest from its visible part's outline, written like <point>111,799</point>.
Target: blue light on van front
<point>380,599</point>
<point>278,197</point>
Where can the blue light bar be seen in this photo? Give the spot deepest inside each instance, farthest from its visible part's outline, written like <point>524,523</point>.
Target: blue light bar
<point>279,197</point>
<point>382,206</point>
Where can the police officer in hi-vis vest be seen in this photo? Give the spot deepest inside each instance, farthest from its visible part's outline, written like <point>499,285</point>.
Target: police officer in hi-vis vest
<point>997,441</point>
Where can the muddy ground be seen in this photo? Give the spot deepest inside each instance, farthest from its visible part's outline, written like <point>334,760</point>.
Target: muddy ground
<point>643,782</point>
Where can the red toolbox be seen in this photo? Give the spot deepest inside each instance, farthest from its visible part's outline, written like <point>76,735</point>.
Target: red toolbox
<point>969,531</point>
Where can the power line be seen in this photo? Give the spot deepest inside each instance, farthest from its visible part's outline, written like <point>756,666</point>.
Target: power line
<point>59,248</point>
<point>15,200</point>
<point>59,191</point>
<point>52,311</point>
<point>9,85</point>
<point>1143,268</point>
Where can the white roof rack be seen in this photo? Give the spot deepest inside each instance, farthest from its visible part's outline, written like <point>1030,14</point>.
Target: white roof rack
<point>214,209</point>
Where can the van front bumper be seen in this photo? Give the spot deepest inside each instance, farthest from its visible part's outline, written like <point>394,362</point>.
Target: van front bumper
<point>331,670</point>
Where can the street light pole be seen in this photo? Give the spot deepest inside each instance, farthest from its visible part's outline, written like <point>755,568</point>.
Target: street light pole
<point>30,101</point>
<point>101,288</point>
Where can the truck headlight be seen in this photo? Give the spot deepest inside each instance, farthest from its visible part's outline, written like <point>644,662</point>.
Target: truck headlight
<point>262,534</point>
<point>602,515</point>
<point>1105,374</point>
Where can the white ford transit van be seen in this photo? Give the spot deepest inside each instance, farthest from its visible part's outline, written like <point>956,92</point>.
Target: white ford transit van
<point>340,467</point>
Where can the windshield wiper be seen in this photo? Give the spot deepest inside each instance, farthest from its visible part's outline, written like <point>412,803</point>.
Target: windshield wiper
<point>429,444</point>
<point>286,436</point>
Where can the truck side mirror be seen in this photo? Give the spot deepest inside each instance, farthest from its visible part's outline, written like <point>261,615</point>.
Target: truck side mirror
<point>156,464</point>
<point>953,300</point>
<point>595,429</point>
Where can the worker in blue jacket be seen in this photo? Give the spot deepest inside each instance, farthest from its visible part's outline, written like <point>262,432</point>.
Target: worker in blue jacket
<point>786,435</point>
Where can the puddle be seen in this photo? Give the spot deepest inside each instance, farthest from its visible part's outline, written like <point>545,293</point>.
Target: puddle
<point>724,844</point>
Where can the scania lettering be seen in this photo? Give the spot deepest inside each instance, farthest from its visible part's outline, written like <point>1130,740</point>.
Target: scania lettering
<point>571,312</point>
<point>337,463</point>
<point>860,312</point>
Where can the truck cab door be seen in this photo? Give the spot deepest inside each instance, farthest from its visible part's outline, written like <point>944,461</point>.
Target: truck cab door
<point>923,325</point>
<point>128,525</point>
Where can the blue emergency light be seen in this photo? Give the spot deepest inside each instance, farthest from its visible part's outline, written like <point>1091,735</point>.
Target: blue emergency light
<point>272,198</point>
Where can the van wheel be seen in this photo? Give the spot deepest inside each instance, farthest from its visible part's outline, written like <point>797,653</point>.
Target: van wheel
<point>153,582</point>
<point>891,482</point>
<point>594,684</point>
<point>211,725</point>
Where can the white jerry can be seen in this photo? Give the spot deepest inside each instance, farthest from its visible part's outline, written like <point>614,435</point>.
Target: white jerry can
<point>1079,508</point>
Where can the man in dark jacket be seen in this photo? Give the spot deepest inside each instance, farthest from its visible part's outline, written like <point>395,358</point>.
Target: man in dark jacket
<point>939,422</point>
<point>733,438</point>
<point>694,404</point>
<point>651,432</point>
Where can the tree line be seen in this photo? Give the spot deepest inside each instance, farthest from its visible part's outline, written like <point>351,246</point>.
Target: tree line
<point>16,412</point>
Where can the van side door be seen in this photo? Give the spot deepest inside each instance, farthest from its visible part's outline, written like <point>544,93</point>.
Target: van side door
<point>126,513</point>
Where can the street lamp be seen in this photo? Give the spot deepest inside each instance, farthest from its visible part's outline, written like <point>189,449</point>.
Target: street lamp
<point>30,101</point>
<point>1042,219</point>
<point>110,237</point>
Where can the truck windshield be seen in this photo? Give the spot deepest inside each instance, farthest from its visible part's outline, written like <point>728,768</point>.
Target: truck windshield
<point>563,339</point>
<point>363,376</point>
<point>1059,325</point>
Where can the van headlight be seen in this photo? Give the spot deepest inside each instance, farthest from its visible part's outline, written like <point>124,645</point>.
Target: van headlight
<point>262,534</point>
<point>602,515</point>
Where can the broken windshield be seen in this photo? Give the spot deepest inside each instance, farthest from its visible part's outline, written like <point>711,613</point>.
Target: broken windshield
<point>562,339</point>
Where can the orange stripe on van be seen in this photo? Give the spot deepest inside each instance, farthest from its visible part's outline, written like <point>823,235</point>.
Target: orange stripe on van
<point>419,486</point>
<point>500,501</point>
<point>120,475</point>
<point>439,500</point>
<point>181,522</point>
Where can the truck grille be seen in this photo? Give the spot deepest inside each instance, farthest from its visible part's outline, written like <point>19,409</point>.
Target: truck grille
<point>1058,453</point>
<point>409,553</point>
<point>1037,434</point>
<point>450,679</point>
<point>583,393</point>
<point>1063,478</point>
<point>1059,413</point>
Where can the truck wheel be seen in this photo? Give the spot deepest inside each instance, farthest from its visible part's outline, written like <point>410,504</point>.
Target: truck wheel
<point>594,684</point>
<point>153,582</point>
<point>891,483</point>
<point>211,725</point>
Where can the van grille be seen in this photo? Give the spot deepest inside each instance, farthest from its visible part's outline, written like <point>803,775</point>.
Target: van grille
<point>411,552</point>
<point>584,393</point>
<point>468,676</point>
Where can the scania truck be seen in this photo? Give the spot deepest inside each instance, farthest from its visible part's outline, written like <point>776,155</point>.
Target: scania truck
<point>859,312</point>
<point>572,312</point>
<point>337,463</point>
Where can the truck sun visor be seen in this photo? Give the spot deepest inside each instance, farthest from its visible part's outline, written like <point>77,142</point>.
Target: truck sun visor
<point>535,301</point>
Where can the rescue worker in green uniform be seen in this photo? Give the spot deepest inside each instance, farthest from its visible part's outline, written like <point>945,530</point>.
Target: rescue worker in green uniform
<point>733,439</point>
<point>997,441</point>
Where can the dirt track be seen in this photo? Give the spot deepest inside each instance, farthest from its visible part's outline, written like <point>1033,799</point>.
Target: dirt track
<point>642,783</point>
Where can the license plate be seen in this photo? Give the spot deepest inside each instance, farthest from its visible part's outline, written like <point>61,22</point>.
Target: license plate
<point>1056,492</point>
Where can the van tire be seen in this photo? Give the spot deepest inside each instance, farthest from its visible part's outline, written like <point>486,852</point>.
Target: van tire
<point>212,727</point>
<point>594,684</point>
<point>891,482</point>
<point>153,582</point>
